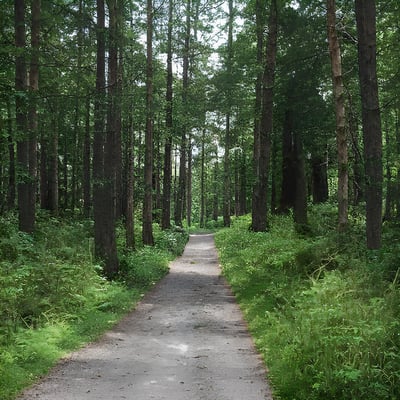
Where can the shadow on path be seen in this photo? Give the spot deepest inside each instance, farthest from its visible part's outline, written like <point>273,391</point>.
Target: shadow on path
<point>186,340</point>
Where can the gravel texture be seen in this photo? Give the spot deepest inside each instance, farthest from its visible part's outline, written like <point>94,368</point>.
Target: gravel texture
<point>186,340</point>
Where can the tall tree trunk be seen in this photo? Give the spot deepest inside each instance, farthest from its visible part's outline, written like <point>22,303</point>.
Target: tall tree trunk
<point>216,188</point>
<point>319,179</point>
<point>258,100</point>
<point>26,222</point>
<point>109,246</point>
<point>11,162</point>
<point>288,188</point>
<point>300,202</point>
<point>147,232</point>
<point>259,212</point>
<point>227,162</point>
<point>189,184</point>
<point>372,132</point>
<point>243,184</point>
<point>99,201</point>
<point>52,174</point>
<point>202,182</point>
<point>166,199</point>
<point>341,137</point>
<point>227,176</point>
<point>181,192</point>
<point>86,160</point>
<point>129,217</point>
<point>358,173</point>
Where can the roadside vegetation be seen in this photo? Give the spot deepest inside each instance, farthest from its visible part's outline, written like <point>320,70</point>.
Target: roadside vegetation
<point>324,314</point>
<point>53,297</point>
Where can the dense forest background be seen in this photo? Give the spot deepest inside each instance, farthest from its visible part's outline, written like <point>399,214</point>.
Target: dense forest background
<point>127,122</point>
<point>188,111</point>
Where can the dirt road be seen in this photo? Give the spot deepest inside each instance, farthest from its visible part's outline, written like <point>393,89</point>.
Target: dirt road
<point>185,341</point>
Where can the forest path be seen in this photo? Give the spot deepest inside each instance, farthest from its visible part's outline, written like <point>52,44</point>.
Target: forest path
<point>186,340</point>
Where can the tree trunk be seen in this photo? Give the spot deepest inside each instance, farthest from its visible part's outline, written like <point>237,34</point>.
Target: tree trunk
<point>202,182</point>
<point>86,160</point>
<point>341,137</point>
<point>300,202</point>
<point>166,199</point>
<point>11,162</point>
<point>227,175</point>
<point>26,217</point>
<point>129,217</point>
<point>258,102</point>
<point>319,179</point>
<point>147,232</point>
<point>288,188</point>
<point>98,139</point>
<point>372,132</point>
<point>189,186</point>
<point>216,188</point>
<point>259,212</point>
<point>180,198</point>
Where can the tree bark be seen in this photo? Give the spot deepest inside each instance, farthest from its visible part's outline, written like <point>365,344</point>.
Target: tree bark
<point>181,192</point>
<point>26,216</point>
<point>341,137</point>
<point>371,120</point>
<point>147,232</point>
<point>300,201</point>
<point>166,199</point>
<point>258,101</point>
<point>129,217</point>
<point>86,160</point>
<point>288,188</point>
<point>259,212</point>
<point>319,179</point>
<point>11,162</point>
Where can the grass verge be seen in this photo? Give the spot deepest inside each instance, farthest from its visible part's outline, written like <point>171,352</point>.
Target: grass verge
<point>53,298</point>
<point>324,316</point>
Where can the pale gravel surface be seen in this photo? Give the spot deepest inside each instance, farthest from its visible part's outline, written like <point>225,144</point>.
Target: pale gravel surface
<point>186,340</point>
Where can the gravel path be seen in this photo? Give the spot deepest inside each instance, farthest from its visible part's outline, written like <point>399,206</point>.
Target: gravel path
<point>186,340</point>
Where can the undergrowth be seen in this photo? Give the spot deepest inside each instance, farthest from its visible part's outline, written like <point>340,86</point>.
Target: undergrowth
<point>53,297</point>
<point>324,312</point>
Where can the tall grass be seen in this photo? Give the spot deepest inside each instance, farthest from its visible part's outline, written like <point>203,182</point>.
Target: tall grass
<point>53,297</point>
<point>324,314</point>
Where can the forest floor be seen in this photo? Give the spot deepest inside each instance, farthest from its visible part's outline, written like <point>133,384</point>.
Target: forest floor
<point>186,340</point>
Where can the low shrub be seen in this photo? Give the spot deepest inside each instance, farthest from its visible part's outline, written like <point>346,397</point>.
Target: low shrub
<point>323,314</point>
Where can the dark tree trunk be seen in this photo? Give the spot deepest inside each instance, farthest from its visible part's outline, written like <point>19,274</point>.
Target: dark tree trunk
<point>227,175</point>
<point>26,217</point>
<point>11,190</point>
<point>147,232</point>
<point>259,211</point>
<point>319,180</point>
<point>104,246</point>
<point>372,132</point>
<point>216,188</point>
<point>202,182</point>
<point>52,175</point>
<point>86,160</point>
<point>243,185</point>
<point>166,199</point>
<point>189,186</point>
<point>358,173</point>
<point>288,188</point>
<point>300,202</point>
<point>341,137</point>
<point>258,101</point>
<point>181,192</point>
<point>129,217</point>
